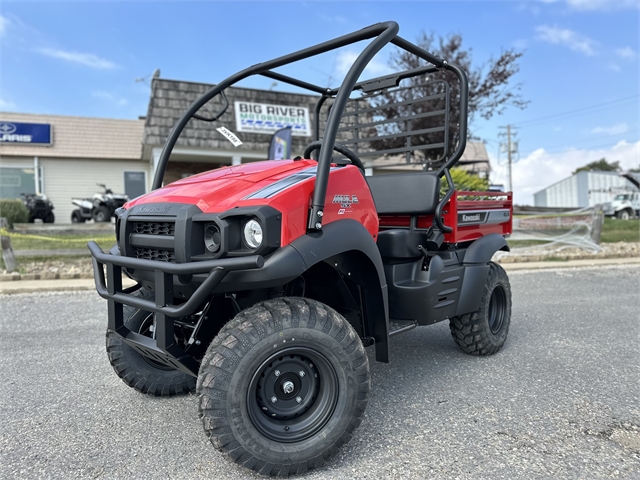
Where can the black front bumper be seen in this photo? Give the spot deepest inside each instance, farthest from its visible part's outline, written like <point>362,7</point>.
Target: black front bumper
<point>163,348</point>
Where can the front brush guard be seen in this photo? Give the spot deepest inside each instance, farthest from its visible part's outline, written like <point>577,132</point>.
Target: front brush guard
<point>163,348</point>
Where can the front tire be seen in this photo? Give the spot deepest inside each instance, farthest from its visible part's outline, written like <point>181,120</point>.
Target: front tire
<point>140,373</point>
<point>49,218</point>
<point>76,217</point>
<point>485,331</point>
<point>624,215</point>
<point>283,386</point>
<point>101,214</point>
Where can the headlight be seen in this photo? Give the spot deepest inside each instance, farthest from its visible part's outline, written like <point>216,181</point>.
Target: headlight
<point>212,237</point>
<point>252,233</point>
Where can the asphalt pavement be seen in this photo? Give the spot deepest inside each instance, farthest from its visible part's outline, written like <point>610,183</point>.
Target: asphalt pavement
<point>561,400</point>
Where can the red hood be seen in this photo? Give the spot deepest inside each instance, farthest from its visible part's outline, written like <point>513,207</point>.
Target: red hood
<point>221,189</point>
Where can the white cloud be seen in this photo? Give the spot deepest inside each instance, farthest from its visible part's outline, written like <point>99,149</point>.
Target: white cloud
<point>602,4</point>
<point>627,53</point>
<point>115,99</point>
<point>7,104</point>
<point>540,169</point>
<point>86,59</point>
<point>345,60</point>
<point>4,25</point>
<point>567,38</point>
<point>613,130</point>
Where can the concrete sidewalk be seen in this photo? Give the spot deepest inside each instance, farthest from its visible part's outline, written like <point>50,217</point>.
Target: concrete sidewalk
<point>76,284</point>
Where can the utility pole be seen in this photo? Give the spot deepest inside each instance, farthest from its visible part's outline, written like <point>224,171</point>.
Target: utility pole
<point>511,147</point>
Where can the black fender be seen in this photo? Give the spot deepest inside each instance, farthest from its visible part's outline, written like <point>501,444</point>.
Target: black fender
<point>481,250</point>
<point>350,248</point>
<point>347,246</point>
<point>476,262</point>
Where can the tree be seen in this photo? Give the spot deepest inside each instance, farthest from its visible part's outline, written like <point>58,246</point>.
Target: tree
<point>464,181</point>
<point>490,93</point>
<point>600,165</point>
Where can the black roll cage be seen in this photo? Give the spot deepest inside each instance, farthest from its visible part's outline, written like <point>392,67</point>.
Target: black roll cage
<point>382,34</point>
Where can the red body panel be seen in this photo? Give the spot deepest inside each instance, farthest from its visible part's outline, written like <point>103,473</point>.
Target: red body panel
<point>348,197</point>
<point>228,187</point>
<point>459,203</point>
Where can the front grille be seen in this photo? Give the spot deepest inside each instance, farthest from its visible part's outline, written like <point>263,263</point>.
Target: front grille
<point>155,228</point>
<point>159,254</point>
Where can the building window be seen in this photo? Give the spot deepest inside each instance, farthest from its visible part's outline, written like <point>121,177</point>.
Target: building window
<point>17,180</point>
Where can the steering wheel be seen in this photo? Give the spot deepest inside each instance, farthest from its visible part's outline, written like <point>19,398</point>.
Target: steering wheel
<point>341,149</point>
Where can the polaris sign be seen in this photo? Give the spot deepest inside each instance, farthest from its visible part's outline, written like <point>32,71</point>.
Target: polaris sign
<point>25,133</point>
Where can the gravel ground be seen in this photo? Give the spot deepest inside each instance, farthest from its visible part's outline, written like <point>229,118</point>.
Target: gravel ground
<point>561,400</point>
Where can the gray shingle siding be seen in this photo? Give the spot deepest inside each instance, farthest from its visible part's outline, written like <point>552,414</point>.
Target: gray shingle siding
<point>171,98</point>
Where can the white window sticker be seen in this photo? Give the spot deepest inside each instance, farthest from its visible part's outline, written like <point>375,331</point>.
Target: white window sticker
<point>230,136</point>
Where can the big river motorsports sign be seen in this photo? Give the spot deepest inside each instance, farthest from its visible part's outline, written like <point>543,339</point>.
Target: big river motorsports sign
<point>266,118</point>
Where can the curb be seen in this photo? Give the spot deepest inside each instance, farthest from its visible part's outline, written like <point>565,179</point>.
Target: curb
<point>85,283</point>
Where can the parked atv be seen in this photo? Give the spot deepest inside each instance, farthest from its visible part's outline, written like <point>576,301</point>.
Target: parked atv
<point>100,208</point>
<point>39,206</point>
<point>260,285</point>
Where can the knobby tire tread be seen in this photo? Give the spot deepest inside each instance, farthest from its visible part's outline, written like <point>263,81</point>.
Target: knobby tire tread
<point>237,338</point>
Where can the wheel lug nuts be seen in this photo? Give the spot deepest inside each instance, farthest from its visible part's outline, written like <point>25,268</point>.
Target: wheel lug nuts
<point>274,399</point>
<point>301,373</point>
<point>277,373</point>
<point>298,399</point>
<point>286,429</point>
<point>264,408</point>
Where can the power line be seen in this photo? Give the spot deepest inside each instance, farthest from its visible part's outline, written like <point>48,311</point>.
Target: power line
<point>586,140</point>
<point>600,106</point>
<point>589,147</point>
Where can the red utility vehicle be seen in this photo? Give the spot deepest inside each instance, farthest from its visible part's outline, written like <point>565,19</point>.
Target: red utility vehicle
<point>260,285</point>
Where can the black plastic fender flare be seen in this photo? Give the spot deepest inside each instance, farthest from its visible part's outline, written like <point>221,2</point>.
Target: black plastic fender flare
<point>481,250</point>
<point>344,242</point>
<point>476,262</point>
<point>340,238</point>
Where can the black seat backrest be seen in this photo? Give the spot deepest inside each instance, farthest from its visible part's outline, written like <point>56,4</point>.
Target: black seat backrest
<point>405,193</point>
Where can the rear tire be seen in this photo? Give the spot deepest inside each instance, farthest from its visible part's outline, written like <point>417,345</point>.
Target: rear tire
<point>485,331</point>
<point>283,386</point>
<point>141,373</point>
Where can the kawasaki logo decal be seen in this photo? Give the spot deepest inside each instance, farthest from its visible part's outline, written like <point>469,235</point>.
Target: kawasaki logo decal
<point>483,217</point>
<point>153,209</point>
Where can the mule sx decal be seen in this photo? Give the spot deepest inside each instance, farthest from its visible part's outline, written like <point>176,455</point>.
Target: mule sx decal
<point>345,201</point>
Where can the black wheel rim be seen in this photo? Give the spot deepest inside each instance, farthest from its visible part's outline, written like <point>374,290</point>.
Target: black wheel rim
<point>292,395</point>
<point>497,309</point>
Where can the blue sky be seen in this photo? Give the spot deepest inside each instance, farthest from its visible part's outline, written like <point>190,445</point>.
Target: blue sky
<point>579,70</point>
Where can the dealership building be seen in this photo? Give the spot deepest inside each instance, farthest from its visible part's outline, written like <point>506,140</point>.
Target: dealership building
<point>66,157</point>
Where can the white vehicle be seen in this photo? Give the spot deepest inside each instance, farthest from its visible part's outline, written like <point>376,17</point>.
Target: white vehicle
<point>100,208</point>
<point>624,206</point>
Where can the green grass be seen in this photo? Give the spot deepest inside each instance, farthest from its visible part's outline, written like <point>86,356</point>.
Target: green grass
<point>615,230</point>
<point>58,242</point>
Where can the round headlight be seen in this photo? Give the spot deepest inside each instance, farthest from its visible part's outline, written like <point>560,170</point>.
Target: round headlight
<point>212,237</point>
<point>252,233</point>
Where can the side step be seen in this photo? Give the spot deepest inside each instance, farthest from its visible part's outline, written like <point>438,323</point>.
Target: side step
<point>400,326</point>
